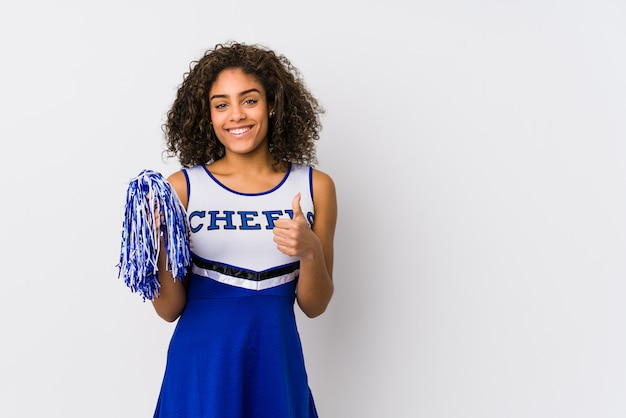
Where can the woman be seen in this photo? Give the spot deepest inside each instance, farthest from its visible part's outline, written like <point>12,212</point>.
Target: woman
<point>262,223</point>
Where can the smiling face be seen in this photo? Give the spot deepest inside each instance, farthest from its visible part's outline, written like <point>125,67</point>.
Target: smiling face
<point>239,112</point>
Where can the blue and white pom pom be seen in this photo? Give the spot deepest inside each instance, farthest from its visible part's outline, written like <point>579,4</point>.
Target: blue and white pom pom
<point>150,194</point>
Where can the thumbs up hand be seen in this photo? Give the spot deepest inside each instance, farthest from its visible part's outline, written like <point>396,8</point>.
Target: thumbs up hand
<point>294,237</point>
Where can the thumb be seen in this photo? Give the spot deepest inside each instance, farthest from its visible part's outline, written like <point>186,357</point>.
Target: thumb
<point>295,205</point>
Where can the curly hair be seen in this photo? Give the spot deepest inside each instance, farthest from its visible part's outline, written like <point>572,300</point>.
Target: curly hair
<point>292,130</point>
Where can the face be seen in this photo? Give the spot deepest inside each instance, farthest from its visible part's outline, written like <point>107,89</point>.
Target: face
<point>239,112</point>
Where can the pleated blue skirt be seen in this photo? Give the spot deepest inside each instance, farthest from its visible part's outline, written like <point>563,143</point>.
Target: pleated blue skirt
<point>236,353</point>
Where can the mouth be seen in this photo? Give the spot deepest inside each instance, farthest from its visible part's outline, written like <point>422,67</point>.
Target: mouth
<point>239,131</point>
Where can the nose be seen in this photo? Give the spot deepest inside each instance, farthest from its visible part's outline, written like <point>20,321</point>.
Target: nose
<point>238,113</point>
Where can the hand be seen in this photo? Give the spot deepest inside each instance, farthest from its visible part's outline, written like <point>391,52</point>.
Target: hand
<point>157,213</point>
<point>294,237</point>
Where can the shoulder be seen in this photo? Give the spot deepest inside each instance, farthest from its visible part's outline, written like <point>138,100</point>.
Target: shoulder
<point>178,181</point>
<point>322,180</point>
<point>324,193</point>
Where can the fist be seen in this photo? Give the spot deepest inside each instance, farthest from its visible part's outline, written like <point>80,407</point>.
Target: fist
<point>294,237</point>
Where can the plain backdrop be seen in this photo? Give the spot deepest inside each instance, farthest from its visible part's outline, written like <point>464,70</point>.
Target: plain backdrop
<point>479,153</point>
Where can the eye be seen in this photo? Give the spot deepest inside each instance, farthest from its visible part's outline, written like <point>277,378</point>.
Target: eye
<point>250,102</point>
<point>220,106</point>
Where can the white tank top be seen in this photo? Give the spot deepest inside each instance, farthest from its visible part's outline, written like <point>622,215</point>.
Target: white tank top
<point>231,232</point>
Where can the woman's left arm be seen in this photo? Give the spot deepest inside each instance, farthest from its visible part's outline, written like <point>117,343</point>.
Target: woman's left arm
<point>314,245</point>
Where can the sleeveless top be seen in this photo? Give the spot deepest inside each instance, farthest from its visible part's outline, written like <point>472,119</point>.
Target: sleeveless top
<point>231,232</point>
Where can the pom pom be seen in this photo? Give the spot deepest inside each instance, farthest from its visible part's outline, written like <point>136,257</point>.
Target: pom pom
<point>149,196</point>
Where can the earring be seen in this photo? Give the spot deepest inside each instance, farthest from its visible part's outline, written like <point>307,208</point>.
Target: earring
<point>272,113</point>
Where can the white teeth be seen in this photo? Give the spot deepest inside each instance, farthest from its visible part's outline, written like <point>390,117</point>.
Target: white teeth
<point>239,131</point>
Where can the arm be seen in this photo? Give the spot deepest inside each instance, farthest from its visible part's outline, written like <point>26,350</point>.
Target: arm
<point>172,294</point>
<point>313,245</point>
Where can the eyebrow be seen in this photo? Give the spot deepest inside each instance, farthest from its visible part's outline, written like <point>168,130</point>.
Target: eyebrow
<point>243,93</point>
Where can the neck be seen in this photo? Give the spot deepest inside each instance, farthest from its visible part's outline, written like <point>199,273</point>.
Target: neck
<point>248,164</point>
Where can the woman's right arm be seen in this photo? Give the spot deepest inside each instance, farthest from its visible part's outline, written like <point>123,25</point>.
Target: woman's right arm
<point>172,297</point>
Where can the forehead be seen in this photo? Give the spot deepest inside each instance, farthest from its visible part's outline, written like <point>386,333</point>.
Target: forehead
<point>234,81</point>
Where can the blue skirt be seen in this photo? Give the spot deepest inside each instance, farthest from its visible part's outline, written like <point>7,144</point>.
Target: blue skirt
<point>236,353</point>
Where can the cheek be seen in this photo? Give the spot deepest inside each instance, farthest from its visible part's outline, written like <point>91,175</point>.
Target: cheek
<point>217,122</point>
<point>213,115</point>
<point>220,136</point>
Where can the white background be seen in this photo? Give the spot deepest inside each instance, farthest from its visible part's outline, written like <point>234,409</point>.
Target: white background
<point>479,153</point>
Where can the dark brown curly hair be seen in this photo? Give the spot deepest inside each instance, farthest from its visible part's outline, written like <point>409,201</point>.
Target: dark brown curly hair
<point>292,130</point>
